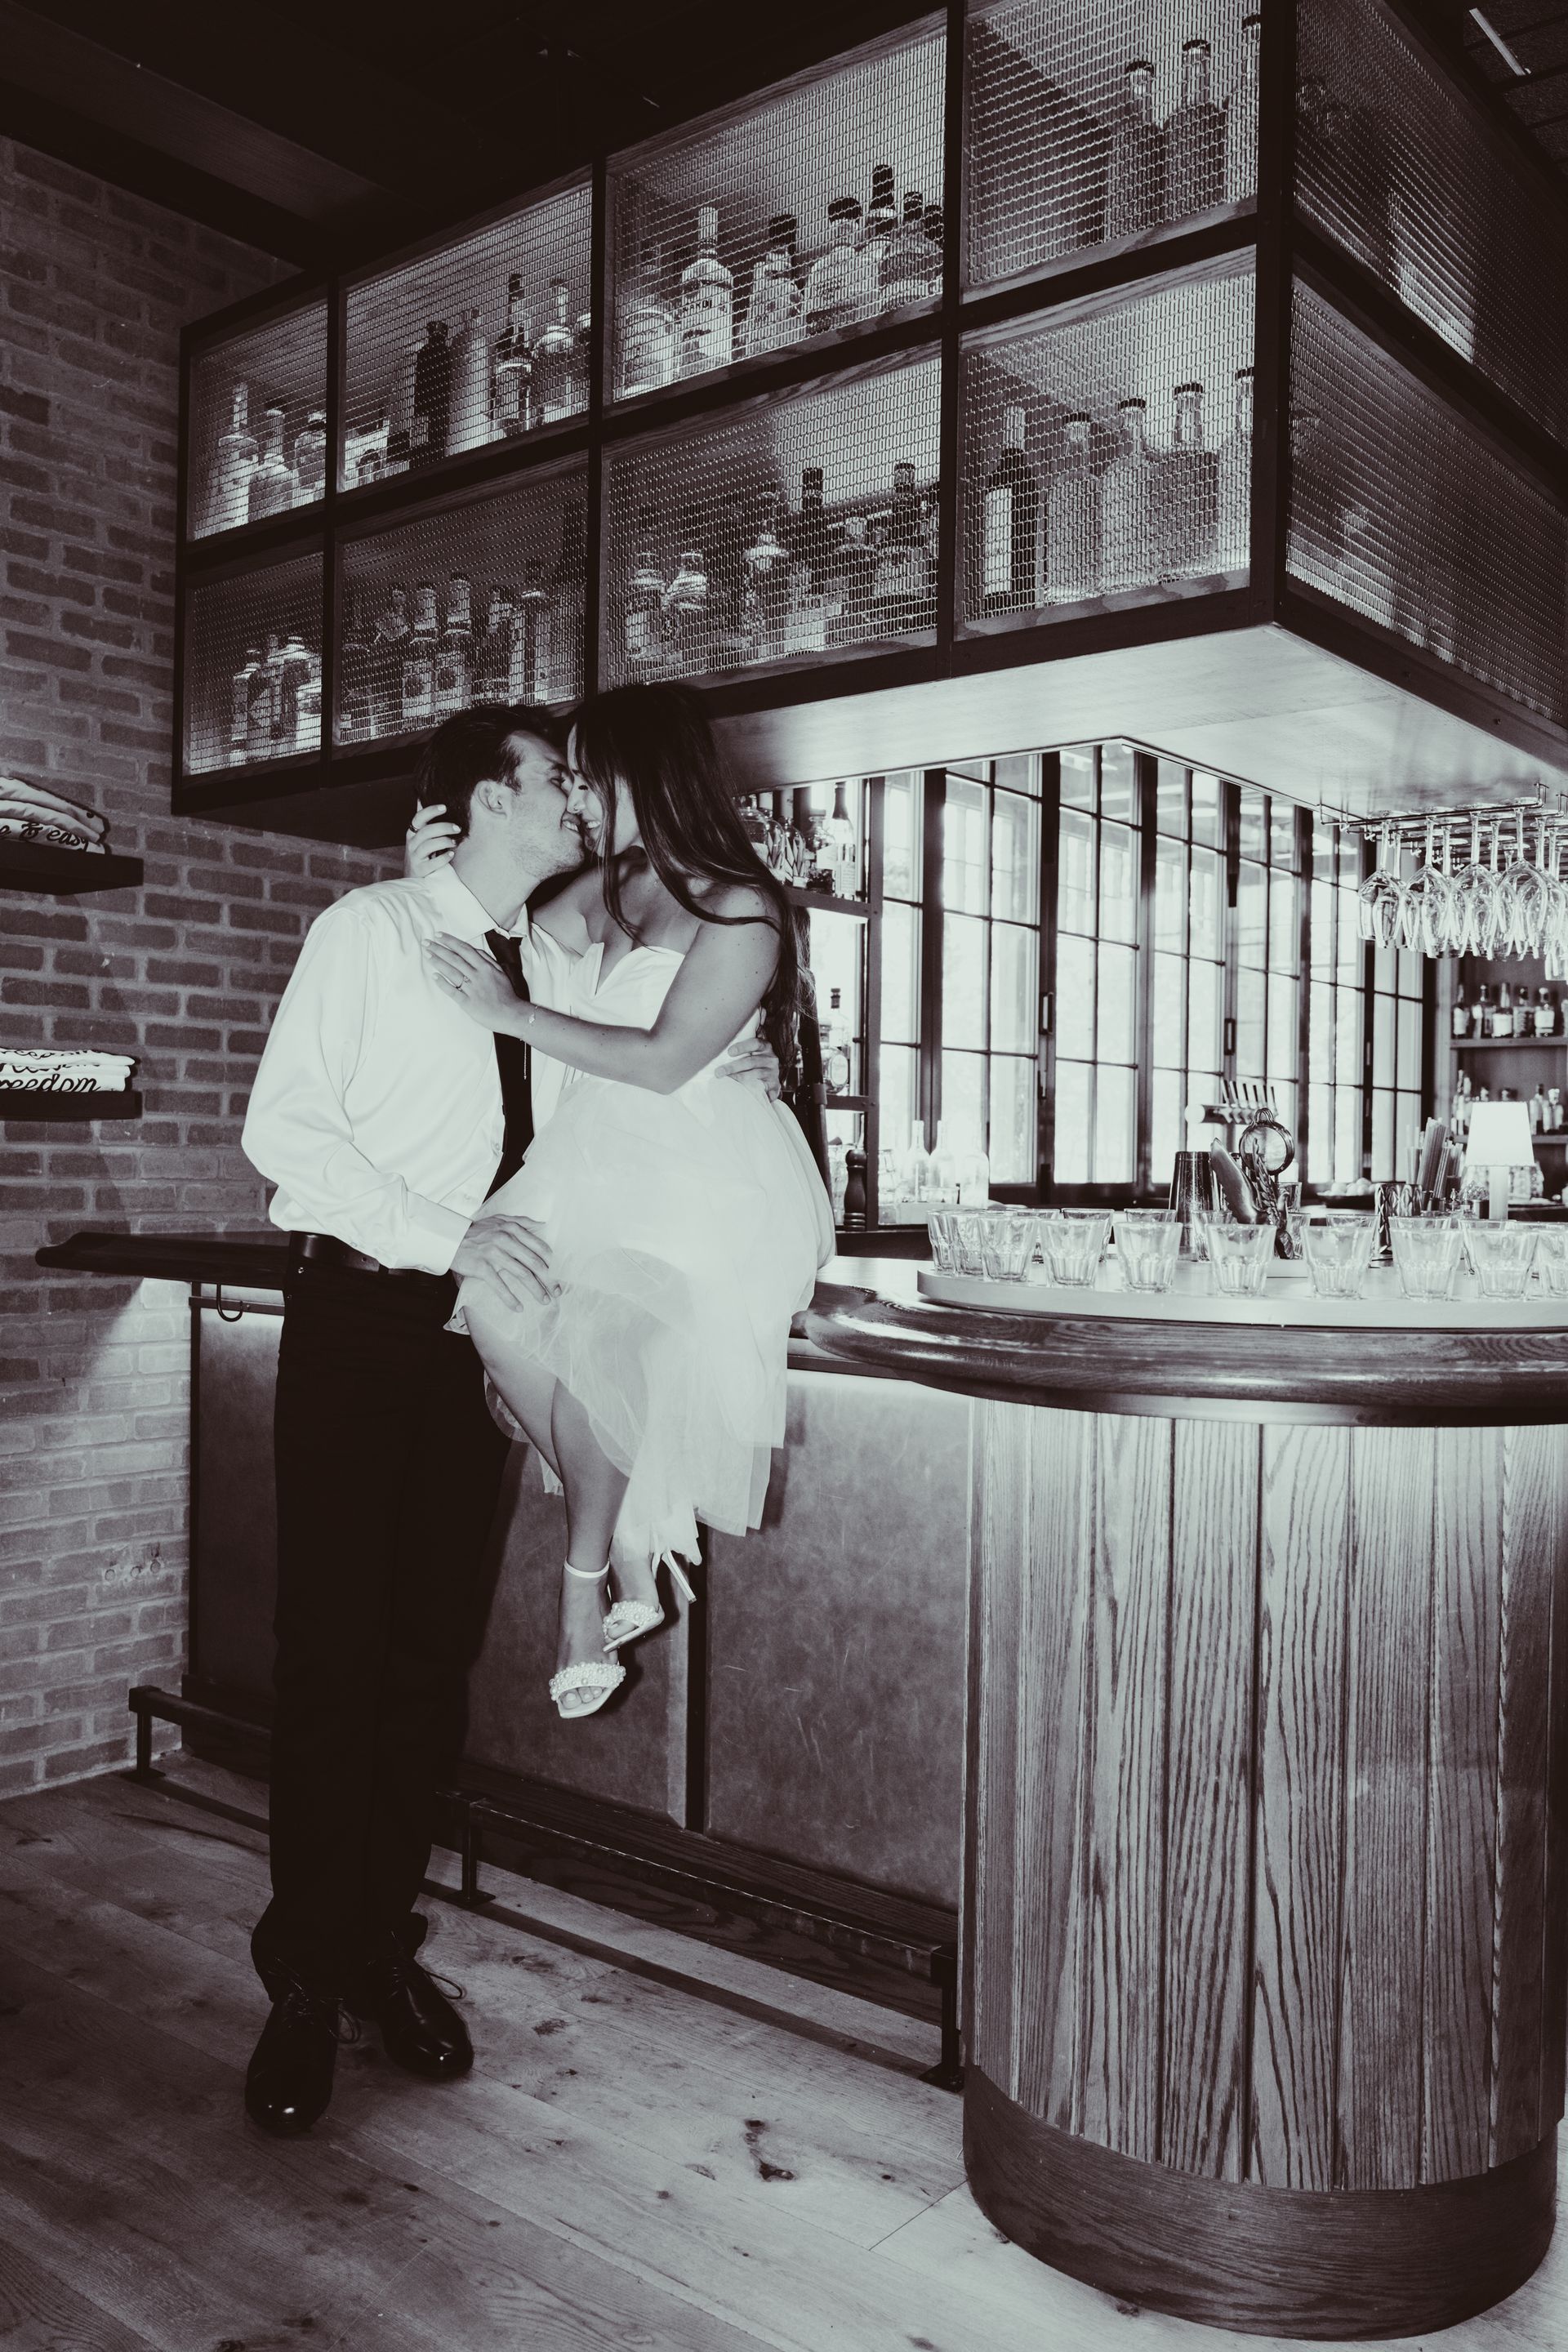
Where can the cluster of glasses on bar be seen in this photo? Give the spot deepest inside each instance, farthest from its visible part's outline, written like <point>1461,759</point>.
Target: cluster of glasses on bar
<point>1484,883</point>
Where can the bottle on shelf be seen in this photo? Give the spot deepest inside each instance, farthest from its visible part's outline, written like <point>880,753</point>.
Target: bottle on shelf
<point>685,615</point>
<point>838,1060</point>
<point>934,226</point>
<point>1545,1015</point>
<point>432,402</point>
<point>832,282</point>
<point>581,363</point>
<point>1128,544</point>
<point>851,579</point>
<point>650,332</point>
<point>1459,1012</point>
<point>912,1175</point>
<point>293,729</point>
<point>1188,493</point>
<point>419,660</point>
<point>1135,185</point>
<point>401,428</point>
<point>453,685</point>
<point>259,709</point>
<point>528,665</point>
<point>393,630</point>
<point>707,302</point>
<point>228,488</point>
<point>512,382</point>
<point>1502,1013</point>
<point>842,842</point>
<point>271,484</point>
<point>777,854</point>
<point>1194,141</point>
<point>1538,1110</point>
<point>1241,118</point>
<point>881,221</point>
<point>906,263</point>
<point>810,554</point>
<point>1072,520</point>
<point>767,587</point>
<point>469,424</point>
<point>356,710</point>
<point>644,607</point>
<point>492,654</point>
<point>568,605</point>
<point>901,593</point>
<point>239,705</point>
<point>775,314</point>
<point>1010,527</point>
<point>802,839</point>
<point>755,824</point>
<point>555,379</point>
<point>1481,1013</point>
<point>1554,1110</point>
<point>311,459</point>
<point>274,668</point>
<point>308,724</point>
<point>1233,478</point>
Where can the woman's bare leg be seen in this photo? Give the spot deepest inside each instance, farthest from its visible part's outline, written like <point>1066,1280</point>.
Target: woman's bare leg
<point>527,1390</point>
<point>594,1491</point>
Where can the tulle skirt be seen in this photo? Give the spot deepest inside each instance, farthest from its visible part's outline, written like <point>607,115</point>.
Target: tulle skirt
<point>686,1231</point>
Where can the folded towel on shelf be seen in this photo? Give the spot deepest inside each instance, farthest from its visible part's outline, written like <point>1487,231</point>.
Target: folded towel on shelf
<point>63,1070</point>
<point>37,813</point>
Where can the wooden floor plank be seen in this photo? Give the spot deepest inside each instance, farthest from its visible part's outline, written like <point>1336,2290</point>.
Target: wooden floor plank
<point>39,2313</point>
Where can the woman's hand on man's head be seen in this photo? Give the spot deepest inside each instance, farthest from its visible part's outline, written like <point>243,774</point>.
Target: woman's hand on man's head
<point>429,842</point>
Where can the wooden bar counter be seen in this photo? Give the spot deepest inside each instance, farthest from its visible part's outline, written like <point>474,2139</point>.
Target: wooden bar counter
<point>1267,1834</point>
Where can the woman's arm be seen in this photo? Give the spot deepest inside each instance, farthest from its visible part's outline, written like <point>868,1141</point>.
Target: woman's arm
<point>718,988</point>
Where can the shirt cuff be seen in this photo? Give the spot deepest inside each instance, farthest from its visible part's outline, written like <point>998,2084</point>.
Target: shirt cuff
<point>433,1234</point>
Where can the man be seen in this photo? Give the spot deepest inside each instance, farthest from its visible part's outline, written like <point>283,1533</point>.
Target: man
<point>385,1117</point>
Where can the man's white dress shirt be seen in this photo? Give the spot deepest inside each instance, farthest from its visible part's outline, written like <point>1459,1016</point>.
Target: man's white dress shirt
<point>377,1108</point>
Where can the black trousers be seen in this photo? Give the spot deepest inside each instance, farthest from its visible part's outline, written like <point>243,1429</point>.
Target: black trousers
<point>388,1470</point>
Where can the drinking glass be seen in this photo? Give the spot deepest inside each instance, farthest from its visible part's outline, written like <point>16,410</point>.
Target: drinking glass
<point>1501,1255</point>
<point>1426,1252</point>
<point>1075,1245</point>
<point>1240,1256</point>
<point>942,1232</point>
<point>1147,1241</point>
<point>1338,1251</point>
<point>967,1247</point>
<point>1551,1259</point>
<point>1006,1243</point>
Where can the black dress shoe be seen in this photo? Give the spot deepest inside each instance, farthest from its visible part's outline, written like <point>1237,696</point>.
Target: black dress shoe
<point>419,2027</point>
<point>289,2082</point>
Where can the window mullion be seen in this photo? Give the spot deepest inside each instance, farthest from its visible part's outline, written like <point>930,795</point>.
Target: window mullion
<point>932,892</point>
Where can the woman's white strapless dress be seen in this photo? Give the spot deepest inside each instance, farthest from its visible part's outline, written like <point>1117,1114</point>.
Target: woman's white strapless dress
<point>686,1231</point>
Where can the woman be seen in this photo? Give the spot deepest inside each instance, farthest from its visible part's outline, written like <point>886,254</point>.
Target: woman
<point>685,1217</point>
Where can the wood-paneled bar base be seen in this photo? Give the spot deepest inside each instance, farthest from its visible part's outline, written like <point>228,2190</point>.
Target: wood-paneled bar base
<point>1267,1866</point>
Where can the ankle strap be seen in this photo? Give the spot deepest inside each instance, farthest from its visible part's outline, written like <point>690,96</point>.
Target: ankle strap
<point>589,1575</point>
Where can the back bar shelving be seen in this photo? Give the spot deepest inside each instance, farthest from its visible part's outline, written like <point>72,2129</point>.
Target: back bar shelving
<point>1257,192</point>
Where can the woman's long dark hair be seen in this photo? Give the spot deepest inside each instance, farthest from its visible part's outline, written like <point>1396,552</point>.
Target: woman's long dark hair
<point>657,740</point>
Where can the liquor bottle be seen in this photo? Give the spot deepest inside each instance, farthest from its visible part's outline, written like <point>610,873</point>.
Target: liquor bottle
<point>905,259</point>
<point>767,585</point>
<point>1502,1016</point>
<point>934,224</point>
<point>1072,521</point>
<point>650,333</point>
<point>901,595</point>
<point>582,361</point>
<point>393,630</point>
<point>239,706</point>
<point>528,664</point>
<point>881,220</point>
<point>1241,118</point>
<point>568,605</point>
<point>775,314</point>
<point>432,398</point>
<point>511,392</point>
<point>778,859</point>
<point>272,484</point>
<point>291,729</point>
<point>912,1171</point>
<point>844,846</point>
<point>1010,531</point>
<point>852,577</point>
<point>1554,1112</point>
<point>1233,476</point>
<point>259,709</point>
<point>802,839</point>
<point>273,665</point>
<point>755,824</point>
<point>228,488</point>
<point>1481,1013</point>
<point>1188,506</point>
<point>311,459</point>
<point>1545,1013</point>
<point>1459,1012</point>
<point>832,282</point>
<point>1128,553</point>
<point>469,424</point>
<point>453,687</point>
<point>419,660</point>
<point>1135,187</point>
<point>685,615</point>
<point>1194,141</point>
<point>553,392</point>
<point>707,302</point>
<point>308,721</point>
<point>810,554</point>
<point>356,707</point>
<point>644,607</point>
<point>492,655</point>
<point>838,1064</point>
<point>1538,1110</point>
<point>400,425</point>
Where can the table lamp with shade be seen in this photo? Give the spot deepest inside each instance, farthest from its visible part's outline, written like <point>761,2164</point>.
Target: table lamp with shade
<point>1499,1141</point>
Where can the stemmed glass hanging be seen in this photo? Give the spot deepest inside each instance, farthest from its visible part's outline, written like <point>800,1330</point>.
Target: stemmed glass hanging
<point>1483,881</point>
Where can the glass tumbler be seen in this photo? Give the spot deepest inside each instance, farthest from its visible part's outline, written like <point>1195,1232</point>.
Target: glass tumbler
<point>941,1231</point>
<point>1338,1251</point>
<point>1501,1255</point>
<point>1005,1246</point>
<point>1240,1258</point>
<point>967,1245</point>
<point>1551,1259</point>
<point>1075,1246</point>
<point>1148,1241</point>
<point>1426,1252</point>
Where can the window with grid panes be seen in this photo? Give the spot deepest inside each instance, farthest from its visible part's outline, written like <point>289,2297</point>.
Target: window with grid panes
<point>990,899</point>
<point>1397,1020</point>
<point>1187,951</point>
<point>1097,890</point>
<point>1269,947</point>
<point>1336,1011</point>
<point>903,824</point>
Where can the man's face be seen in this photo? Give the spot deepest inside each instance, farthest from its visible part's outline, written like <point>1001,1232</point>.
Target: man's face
<point>542,831</point>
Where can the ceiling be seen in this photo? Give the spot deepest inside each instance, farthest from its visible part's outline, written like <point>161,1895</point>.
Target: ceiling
<point>323,131</point>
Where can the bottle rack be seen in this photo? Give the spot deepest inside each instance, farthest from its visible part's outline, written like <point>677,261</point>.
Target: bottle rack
<point>1416,530</point>
<point>242,713</point>
<point>256,436</point>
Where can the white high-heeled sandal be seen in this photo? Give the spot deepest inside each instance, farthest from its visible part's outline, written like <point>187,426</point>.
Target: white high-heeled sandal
<point>597,1679</point>
<point>629,1621</point>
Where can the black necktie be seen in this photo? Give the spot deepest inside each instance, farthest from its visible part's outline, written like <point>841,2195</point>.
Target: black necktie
<point>513,1062</point>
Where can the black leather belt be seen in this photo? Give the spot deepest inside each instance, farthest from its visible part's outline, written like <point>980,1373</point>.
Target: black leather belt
<point>325,1249</point>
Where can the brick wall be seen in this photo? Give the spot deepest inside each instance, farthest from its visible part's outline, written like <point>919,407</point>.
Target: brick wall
<point>95,285</point>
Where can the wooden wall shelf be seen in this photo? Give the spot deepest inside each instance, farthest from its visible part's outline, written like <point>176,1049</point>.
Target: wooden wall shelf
<point>1504,1044</point>
<point>62,873</point>
<point>32,1102</point>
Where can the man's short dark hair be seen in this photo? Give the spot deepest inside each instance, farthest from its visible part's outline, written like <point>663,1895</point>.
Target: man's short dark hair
<point>474,747</point>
